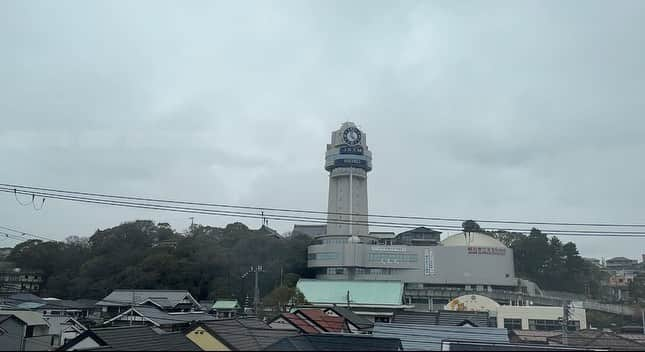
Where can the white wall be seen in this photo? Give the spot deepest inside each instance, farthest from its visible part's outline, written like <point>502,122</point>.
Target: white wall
<point>536,312</point>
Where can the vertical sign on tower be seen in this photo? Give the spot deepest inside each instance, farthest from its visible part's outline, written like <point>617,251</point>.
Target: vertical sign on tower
<point>428,262</point>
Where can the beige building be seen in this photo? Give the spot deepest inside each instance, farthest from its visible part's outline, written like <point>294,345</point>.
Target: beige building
<point>538,318</point>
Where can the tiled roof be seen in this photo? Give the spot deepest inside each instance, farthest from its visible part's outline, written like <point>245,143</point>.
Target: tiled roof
<point>161,317</point>
<point>299,323</point>
<point>246,334</point>
<point>326,322</point>
<point>226,304</point>
<point>428,337</point>
<point>359,321</point>
<point>455,318</point>
<point>140,338</point>
<point>598,339</point>
<point>422,318</point>
<point>533,336</point>
<point>59,324</point>
<point>28,317</point>
<point>336,342</point>
<point>125,297</point>
<point>371,293</point>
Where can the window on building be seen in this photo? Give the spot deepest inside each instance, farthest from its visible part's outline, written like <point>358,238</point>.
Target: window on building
<point>392,258</point>
<point>574,325</point>
<point>513,324</point>
<point>322,256</point>
<point>544,325</point>
<point>335,271</point>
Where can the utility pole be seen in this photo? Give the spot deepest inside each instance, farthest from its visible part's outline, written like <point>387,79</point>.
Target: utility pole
<point>348,299</point>
<point>643,317</point>
<point>256,296</point>
<point>565,322</point>
<point>132,308</point>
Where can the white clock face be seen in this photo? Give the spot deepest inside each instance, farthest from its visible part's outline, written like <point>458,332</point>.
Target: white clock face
<point>352,136</point>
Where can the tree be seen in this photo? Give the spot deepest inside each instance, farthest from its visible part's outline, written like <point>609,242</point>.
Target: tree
<point>208,262</point>
<point>471,226</point>
<point>283,297</point>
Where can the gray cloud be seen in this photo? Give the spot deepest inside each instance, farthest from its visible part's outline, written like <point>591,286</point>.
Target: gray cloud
<point>513,110</point>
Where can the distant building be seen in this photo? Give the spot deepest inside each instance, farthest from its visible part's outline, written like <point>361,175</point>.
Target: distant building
<point>17,280</point>
<point>620,263</point>
<point>521,317</point>
<point>223,308</point>
<point>375,300</point>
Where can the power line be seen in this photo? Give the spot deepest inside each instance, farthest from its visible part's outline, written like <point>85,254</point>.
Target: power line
<point>257,208</point>
<point>444,227</point>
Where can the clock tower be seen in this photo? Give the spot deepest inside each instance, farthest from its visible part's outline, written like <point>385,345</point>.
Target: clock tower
<point>348,161</point>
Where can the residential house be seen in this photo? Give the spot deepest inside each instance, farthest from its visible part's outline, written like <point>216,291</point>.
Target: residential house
<point>290,321</point>
<point>355,322</point>
<point>241,334</point>
<point>226,308</point>
<point>24,331</point>
<point>597,339</point>
<point>168,300</point>
<point>153,316</point>
<point>63,328</point>
<point>336,342</point>
<point>429,338</point>
<point>130,338</point>
<point>322,320</point>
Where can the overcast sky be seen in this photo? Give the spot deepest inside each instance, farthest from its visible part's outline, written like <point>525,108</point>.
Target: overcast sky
<point>523,110</point>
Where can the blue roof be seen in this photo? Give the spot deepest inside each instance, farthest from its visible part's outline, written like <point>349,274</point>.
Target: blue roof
<point>428,337</point>
<point>360,292</point>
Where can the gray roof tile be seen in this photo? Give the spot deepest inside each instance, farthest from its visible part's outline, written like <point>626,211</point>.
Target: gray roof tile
<point>336,342</point>
<point>246,334</point>
<point>428,338</point>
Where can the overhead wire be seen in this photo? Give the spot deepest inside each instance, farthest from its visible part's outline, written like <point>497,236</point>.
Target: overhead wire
<point>291,218</point>
<point>259,208</point>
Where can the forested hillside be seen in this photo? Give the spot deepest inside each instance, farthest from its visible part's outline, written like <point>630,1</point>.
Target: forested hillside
<point>208,261</point>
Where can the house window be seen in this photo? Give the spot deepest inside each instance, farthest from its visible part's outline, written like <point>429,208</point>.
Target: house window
<point>513,324</point>
<point>30,331</point>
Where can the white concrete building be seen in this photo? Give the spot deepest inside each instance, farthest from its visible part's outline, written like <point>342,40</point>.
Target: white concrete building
<point>521,317</point>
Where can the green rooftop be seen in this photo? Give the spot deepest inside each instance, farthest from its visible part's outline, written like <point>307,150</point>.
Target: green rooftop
<point>226,304</point>
<point>360,292</point>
